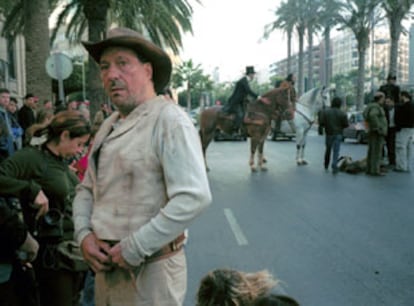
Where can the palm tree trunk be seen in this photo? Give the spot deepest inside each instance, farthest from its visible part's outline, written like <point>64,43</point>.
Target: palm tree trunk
<point>36,33</point>
<point>289,52</point>
<point>188,96</point>
<point>395,31</point>
<point>361,79</point>
<point>95,12</point>
<point>301,32</point>
<point>328,59</point>
<point>310,58</point>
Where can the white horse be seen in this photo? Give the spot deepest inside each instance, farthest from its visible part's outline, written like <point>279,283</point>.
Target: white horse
<point>307,108</point>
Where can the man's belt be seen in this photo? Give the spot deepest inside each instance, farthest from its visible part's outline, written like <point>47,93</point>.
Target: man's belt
<point>166,251</point>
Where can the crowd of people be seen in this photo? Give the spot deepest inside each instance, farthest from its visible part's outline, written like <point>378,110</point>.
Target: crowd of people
<point>102,205</point>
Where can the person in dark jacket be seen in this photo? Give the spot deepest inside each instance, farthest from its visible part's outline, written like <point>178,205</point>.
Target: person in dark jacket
<point>333,120</point>
<point>27,113</point>
<point>6,132</point>
<point>18,247</point>
<point>241,91</point>
<point>45,186</point>
<point>391,90</point>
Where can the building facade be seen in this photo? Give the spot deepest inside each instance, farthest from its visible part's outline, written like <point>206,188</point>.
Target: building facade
<point>344,59</point>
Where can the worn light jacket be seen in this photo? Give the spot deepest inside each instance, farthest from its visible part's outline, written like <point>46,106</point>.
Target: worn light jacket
<point>149,184</point>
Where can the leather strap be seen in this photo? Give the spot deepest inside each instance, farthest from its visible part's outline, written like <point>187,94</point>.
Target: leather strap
<point>168,250</point>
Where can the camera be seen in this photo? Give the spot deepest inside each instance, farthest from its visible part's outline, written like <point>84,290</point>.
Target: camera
<point>51,225</point>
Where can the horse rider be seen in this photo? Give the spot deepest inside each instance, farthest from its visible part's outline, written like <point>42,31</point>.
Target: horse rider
<point>241,91</point>
<point>288,84</point>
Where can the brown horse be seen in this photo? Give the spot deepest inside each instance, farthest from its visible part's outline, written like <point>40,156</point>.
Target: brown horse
<point>257,121</point>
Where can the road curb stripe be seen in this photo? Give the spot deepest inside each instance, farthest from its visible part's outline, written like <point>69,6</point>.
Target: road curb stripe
<point>237,231</point>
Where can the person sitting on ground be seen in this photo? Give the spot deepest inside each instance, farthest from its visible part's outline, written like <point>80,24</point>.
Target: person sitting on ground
<point>241,91</point>
<point>228,287</point>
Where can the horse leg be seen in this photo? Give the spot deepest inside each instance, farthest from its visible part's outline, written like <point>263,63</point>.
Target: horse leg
<point>300,142</point>
<point>300,152</point>
<point>264,159</point>
<point>303,145</point>
<point>253,146</point>
<point>206,137</point>
<point>261,156</point>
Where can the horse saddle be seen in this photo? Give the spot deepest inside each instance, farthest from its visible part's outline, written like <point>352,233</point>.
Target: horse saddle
<point>254,118</point>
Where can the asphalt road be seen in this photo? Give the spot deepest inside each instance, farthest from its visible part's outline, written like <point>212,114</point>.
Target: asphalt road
<point>331,239</point>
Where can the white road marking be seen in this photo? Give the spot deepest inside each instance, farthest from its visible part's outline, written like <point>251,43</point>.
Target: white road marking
<point>237,231</point>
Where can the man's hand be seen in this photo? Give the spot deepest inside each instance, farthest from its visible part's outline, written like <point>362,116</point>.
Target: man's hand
<point>29,247</point>
<point>118,259</point>
<point>96,253</point>
<point>42,203</point>
<point>265,100</point>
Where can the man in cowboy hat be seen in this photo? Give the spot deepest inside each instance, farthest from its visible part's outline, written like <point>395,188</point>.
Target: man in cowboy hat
<point>241,91</point>
<point>146,179</point>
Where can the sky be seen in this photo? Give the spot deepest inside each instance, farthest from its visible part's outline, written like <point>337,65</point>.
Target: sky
<point>228,34</point>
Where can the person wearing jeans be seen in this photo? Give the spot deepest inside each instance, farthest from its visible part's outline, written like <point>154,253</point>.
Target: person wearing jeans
<point>333,120</point>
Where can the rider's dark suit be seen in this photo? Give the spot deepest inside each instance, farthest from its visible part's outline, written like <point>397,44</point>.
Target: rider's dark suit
<point>235,102</point>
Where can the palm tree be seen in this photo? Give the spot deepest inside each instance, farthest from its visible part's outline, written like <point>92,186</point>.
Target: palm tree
<point>396,11</point>
<point>291,15</point>
<point>186,75</point>
<point>300,25</point>
<point>357,16</point>
<point>163,21</point>
<point>285,21</point>
<point>312,13</point>
<point>30,18</point>
<point>328,17</point>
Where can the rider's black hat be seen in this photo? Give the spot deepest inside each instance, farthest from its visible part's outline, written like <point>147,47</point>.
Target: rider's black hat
<point>250,70</point>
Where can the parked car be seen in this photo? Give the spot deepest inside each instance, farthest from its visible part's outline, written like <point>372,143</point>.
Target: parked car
<point>356,129</point>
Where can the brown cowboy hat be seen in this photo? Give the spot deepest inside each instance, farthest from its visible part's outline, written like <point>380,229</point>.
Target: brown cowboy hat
<point>123,37</point>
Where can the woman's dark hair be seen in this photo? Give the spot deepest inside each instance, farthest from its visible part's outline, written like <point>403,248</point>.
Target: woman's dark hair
<point>72,121</point>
